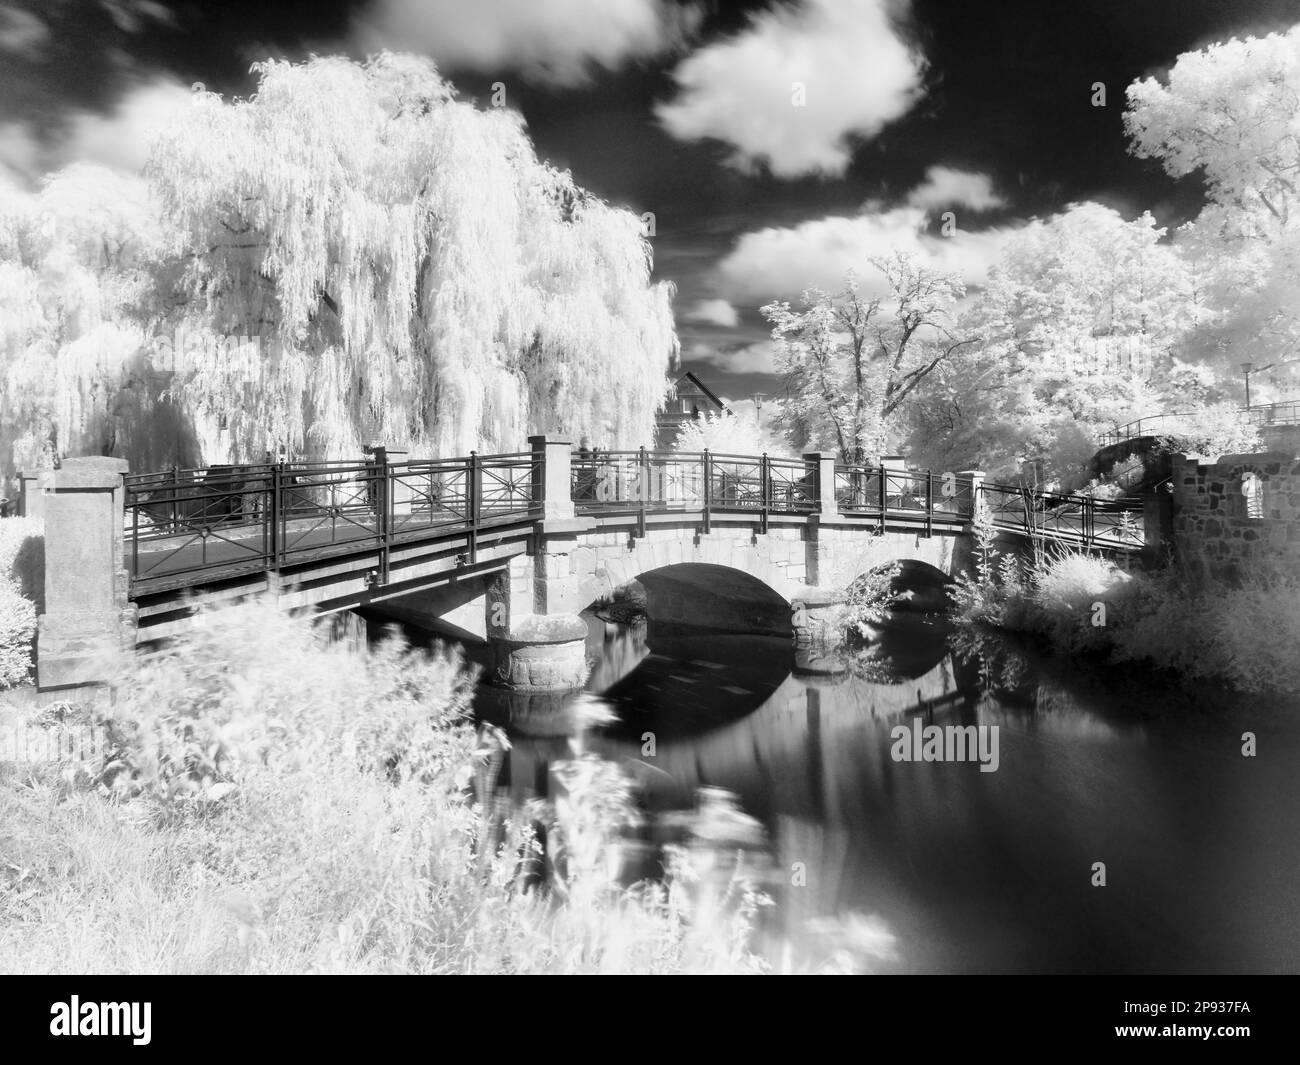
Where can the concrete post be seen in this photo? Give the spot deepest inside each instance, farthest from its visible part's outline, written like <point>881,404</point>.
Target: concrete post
<point>31,493</point>
<point>552,484</point>
<point>976,478</point>
<point>821,472</point>
<point>87,609</point>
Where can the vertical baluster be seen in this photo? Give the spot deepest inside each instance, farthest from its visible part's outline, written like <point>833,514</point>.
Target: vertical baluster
<point>883,494</point>
<point>276,516</point>
<point>929,504</point>
<point>707,462</point>
<point>475,503</point>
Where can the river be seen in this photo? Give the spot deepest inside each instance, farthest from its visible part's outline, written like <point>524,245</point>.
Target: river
<point>940,866</point>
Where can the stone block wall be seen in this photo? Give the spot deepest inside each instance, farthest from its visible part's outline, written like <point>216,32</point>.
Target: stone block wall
<point>1214,536</point>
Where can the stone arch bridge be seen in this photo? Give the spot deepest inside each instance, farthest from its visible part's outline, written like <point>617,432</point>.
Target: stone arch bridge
<point>506,549</point>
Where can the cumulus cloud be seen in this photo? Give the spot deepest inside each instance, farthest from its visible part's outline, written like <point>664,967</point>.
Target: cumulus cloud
<point>780,262</point>
<point>713,312</point>
<point>19,152</point>
<point>21,32</point>
<point>857,75</point>
<point>553,41</point>
<point>756,357</point>
<point>946,187</point>
<point>121,139</point>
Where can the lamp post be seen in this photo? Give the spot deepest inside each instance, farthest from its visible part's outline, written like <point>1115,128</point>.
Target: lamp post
<point>1248,368</point>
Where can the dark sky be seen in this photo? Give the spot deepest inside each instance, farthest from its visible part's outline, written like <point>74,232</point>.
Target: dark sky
<point>1005,92</point>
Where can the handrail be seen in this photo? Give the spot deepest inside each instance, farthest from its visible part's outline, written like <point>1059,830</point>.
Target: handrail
<point>185,526</point>
<point>1286,412</point>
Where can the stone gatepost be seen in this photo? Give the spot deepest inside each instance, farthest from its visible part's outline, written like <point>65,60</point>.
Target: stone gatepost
<point>87,610</point>
<point>543,649</point>
<point>31,493</point>
<point>976,478</point>
<point>821,474</point>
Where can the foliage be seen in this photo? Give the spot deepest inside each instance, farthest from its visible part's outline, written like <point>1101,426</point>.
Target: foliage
<point>17,634</point>
<point>395,264</point>
<point>870,597</point>
<point>725,433</point>
<point>1230,113</point>
<point>21,579</point>
<point>1078,329</point>
<point>271,803</point>
<point>850,362</point>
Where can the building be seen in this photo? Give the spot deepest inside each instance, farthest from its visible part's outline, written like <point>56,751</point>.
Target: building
<point>688,400</point>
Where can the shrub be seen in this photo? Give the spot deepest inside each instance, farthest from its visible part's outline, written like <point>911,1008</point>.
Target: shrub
<point>269,803</point>
<point>22,555</point>
<point>17,635</point>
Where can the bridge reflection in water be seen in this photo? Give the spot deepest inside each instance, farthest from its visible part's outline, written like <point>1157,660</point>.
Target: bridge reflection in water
<point>963,871</point>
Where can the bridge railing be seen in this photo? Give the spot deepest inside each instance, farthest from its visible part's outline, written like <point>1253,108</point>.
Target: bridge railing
<point>878,492</point>
<point>1085,520</point>
<point>657,481</point>
<point>1260,414</point>
<point>182,525</point>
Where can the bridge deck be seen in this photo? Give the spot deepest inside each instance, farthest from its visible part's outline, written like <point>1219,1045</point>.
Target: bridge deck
<point>189,528</point>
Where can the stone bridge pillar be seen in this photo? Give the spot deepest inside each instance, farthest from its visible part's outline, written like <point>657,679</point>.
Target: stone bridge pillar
<point>87,611</point>
<point>543,649</point>
<point>31,493</point>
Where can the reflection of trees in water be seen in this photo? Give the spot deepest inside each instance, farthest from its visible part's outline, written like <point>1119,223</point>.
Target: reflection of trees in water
<point>616,649</point>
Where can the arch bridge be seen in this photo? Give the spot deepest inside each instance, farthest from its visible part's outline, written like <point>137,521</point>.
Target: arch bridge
<point>479,546</point>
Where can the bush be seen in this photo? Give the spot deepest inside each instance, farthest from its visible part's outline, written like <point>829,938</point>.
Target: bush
<point>22,555</point>
<point>17,636</point>
<point>269,803</point>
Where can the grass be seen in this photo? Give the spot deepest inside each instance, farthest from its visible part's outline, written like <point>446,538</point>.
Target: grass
<point>1245,635</point>
<point>267,803</point>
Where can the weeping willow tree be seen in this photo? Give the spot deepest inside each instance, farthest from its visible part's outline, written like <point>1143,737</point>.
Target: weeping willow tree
<point>77,277</point>
<point>404,269</point>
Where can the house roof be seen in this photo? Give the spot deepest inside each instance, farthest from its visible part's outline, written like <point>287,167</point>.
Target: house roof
<point>701,386</point>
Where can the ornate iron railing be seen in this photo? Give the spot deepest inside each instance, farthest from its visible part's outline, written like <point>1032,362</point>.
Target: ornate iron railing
<point>1260,414</point>
<point>187,525</point>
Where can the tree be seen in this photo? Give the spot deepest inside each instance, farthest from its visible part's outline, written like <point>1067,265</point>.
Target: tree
<point>1231,113</point>
<point>726,433</point>
<point>1079,329</point>
<point>851,362</point>
<point>414,273</point>
<point>399,264</point>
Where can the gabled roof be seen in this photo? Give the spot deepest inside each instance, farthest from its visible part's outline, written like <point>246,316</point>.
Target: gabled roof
<point>701,386</point>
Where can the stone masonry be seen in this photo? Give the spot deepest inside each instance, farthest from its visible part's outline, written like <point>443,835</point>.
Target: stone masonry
<point>1214,534</point>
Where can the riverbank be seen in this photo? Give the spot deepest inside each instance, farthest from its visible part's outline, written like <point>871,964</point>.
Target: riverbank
<point>262,802</point>
<point>1244,635</point>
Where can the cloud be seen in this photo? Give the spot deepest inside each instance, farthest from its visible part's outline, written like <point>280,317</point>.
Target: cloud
<point>780,262</point>
<point>713,312</point>
<point>857,73</point>
<point>122,139</point>
<point>21,32</point>
<point>946,187</point>
<point>756,357</point>
<point>19,152</point>
<point>553,41</point>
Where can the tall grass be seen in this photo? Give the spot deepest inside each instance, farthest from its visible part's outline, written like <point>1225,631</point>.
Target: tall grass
<point>269,803</point>
<point>1246,635</point>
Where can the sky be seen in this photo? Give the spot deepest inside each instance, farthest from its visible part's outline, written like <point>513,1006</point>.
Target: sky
<point>775,142</point>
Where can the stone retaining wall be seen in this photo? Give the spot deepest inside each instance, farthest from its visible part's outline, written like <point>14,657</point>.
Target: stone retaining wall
<point>1215,536</point>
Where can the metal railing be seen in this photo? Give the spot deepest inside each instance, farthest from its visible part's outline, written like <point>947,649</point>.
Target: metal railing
<point>644,482</point>
<point>186,525</point>
<point>1260,414</point>
<point>1077,519</point>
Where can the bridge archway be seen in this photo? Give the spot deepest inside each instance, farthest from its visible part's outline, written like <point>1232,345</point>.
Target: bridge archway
<point>692,598</point>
